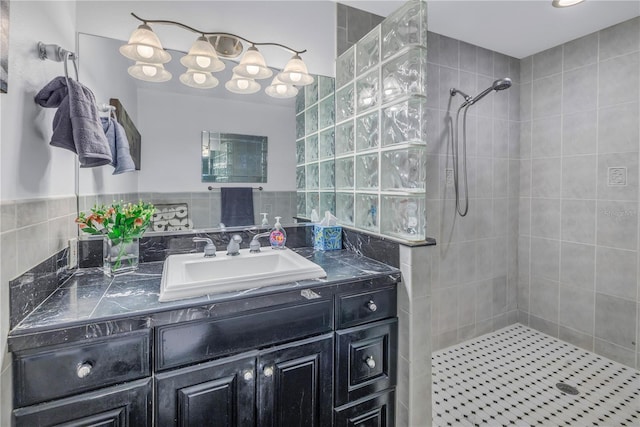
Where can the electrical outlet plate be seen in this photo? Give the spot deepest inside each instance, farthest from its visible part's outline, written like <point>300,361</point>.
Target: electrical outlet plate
<point>72,258</point>
<point>448,172</point>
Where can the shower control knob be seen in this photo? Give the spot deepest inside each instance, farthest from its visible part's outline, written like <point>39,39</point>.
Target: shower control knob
<point>370,361</point>
<point>247,375</point>
<point>268,371</point>
<point>372,305</point>
<point>83,369</point>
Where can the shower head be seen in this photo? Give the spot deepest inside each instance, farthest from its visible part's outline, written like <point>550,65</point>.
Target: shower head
<point>500,84</point>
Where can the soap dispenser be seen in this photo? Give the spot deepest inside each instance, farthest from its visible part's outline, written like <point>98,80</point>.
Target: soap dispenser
<point>278,237</point>
<point>265,221</point>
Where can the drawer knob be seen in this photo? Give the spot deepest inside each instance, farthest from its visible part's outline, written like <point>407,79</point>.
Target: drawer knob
<point>247,375</point>
<point>370,361</point>
<point>268,371</point>
<point>372,306</point>
<point>83,369</point>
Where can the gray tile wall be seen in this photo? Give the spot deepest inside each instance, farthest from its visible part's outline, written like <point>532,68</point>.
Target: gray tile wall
<point>30,232</point>
<point>474,270</point>
<point>352,25</point>
<point>578,247</point>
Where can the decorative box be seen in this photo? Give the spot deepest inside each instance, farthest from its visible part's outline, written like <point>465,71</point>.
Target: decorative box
<point>327,238</point>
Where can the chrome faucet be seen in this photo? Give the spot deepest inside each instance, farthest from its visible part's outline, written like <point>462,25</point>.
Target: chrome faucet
<point>233,248</point>
<point>254,245</point>
<point>209,248</point>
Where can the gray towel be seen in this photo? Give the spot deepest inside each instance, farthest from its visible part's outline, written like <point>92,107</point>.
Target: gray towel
<point>119,146</point>
<point>76,124</point>
<point>236,206</point>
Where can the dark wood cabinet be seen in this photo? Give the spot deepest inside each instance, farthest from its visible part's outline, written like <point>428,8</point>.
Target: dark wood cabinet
<point>220,393</point>
<point>295,384</point>
<point>127,405</point>
<point>313,362</point>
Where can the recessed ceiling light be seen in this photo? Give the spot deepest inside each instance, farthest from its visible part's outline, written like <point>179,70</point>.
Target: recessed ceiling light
<point>565,3</point>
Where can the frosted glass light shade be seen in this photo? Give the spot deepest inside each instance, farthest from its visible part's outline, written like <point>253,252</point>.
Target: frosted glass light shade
<point>202,57</point>
<point>565,3</point>
<point>198,79</point>
<point>253,65</point>
<point>242,85</point>
<point>277,89</point>
<point>144,46</point>
<point>149,72</point>
<point>295,73</point>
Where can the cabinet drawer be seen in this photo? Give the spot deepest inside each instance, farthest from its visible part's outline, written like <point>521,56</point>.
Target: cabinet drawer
<point>77,367</point>
<point>377,411</point>
<point>364,307</point>
<point>187,343</point>
<point>122,405</point>
<point>366,360</point>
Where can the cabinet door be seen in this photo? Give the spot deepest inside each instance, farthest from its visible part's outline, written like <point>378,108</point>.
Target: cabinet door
<point>295,384</point>
<point>127,405</point>
<point>219,393</point>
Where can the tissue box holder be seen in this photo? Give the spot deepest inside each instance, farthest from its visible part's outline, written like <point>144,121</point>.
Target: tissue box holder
<point>327,238</point>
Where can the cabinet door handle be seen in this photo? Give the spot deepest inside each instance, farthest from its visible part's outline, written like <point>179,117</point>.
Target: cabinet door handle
<point>370,361</point>
<point>268,371</point>
<point>372,306</point>
<point>83,369</point>
<point>247,375</point>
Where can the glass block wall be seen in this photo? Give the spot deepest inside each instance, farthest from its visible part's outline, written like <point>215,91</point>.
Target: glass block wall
<point>315,171</point>
<point>380,132</point>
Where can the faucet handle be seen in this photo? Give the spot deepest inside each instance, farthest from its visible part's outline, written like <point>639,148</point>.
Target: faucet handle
<point>237,238</point>
<point>209,248</point>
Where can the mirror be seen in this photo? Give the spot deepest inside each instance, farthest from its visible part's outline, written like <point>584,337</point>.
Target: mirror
<point>171,117</point>
<point>231,157</point>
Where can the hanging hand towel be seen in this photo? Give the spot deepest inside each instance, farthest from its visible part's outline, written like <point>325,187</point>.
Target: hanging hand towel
<point>119,146</point>
<point>236,206</point>
<point>76,124</point>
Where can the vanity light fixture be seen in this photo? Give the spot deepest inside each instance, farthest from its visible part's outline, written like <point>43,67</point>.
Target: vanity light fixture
<point>144,46</point>
<point>295,72</point>
<point>203,59</point>
<point>149,72</point>
<point>198,79</point>
<point>278,89</point>
<point>253,65</point>
<point>565,3</point>
<point>242,85</point>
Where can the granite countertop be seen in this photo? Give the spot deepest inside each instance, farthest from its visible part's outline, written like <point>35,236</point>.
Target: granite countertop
<point>90,297</point>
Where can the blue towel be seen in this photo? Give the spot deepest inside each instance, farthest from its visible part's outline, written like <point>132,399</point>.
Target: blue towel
<point>236,206</point>
<point>76,124</point>
<point>119,146</point>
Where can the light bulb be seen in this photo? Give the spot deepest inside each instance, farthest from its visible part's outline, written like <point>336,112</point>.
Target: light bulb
<point>203,61</point>
<point>253,69</point>
<point>199,78</point>
<point>295,77</point>
<point>149,70</point>
<point>243,83</point>
<point>281,89</point>
<point>144,51</point>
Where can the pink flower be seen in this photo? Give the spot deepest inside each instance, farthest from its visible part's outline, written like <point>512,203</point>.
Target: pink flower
<point>138,222</point>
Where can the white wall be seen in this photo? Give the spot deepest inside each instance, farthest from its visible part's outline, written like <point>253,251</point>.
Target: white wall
<point>106,75</point>
<point>171,124</point>
<point>30,168</point>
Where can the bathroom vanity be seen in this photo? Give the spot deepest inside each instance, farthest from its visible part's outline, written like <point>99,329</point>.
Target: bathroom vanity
<point>318,352</point>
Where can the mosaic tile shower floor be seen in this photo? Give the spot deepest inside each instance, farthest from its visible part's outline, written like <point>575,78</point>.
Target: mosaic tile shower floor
<point>509,377</point>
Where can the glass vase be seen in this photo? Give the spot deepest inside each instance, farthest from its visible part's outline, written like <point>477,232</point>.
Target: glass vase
<point>121,257</point>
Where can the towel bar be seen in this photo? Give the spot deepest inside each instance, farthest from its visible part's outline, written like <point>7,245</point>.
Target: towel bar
<point>210,188</point>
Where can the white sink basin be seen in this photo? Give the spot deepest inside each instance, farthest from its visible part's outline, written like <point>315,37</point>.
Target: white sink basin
<point>193,275</point>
